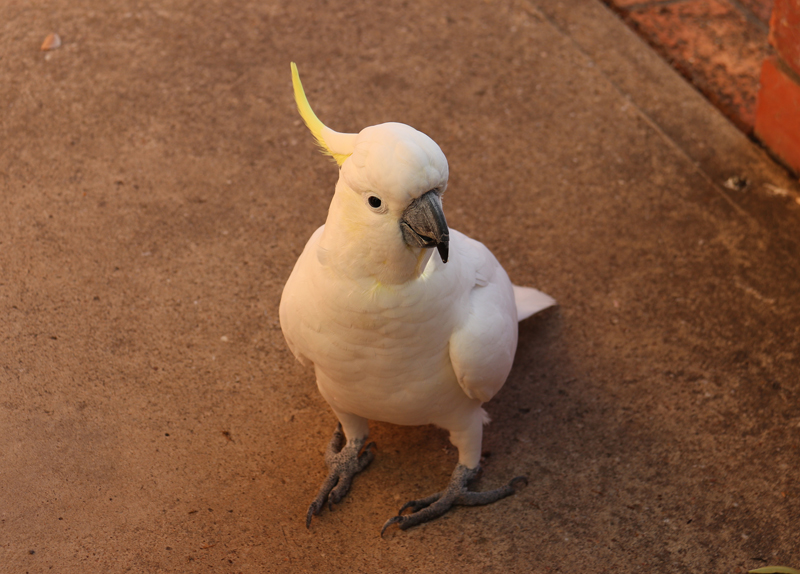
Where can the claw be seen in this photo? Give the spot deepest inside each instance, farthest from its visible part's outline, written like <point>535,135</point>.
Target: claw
<point>393,520</point>
<point>312,510</point>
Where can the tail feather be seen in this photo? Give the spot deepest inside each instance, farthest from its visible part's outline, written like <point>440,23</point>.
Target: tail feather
<point>530,301</point>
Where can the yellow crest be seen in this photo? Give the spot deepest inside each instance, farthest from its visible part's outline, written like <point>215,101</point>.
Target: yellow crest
<point>337,145</point>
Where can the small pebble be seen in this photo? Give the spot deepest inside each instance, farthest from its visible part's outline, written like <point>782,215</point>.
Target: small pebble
<point>52,42</point>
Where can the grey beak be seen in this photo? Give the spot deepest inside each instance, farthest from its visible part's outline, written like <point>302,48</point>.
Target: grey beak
<point>423,224</point>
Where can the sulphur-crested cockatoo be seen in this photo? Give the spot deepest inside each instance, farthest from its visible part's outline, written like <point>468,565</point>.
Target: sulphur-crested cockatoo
<point>396,330</point>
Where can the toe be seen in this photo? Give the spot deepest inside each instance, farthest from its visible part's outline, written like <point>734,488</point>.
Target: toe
<point>366,457</point>
<point>338,493</point>
<point>417,505</point>
<point>518,482</point>
<point>431,510</point>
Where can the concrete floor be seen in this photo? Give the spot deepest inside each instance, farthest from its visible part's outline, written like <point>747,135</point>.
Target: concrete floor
<point>158,185</point>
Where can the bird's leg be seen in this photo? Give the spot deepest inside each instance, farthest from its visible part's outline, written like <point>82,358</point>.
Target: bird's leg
<point>455,494</point>
<point>344,460</point>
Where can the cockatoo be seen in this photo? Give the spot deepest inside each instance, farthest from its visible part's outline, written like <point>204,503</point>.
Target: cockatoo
<point>404,320</point>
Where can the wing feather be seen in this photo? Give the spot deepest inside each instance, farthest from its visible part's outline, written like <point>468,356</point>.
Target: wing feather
<point>482,347</point>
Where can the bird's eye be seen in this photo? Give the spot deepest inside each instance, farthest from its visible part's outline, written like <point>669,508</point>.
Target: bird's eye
<point>374,202</point>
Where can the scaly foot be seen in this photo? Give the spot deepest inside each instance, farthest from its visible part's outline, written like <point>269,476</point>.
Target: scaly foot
<point>344,462</point>
<point>436,505</point>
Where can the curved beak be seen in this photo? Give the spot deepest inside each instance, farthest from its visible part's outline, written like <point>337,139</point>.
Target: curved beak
<point>423,224</point>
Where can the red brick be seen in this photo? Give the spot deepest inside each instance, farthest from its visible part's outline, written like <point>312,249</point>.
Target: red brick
<point>714,46</point>
<point>760,8</point>
<point>778,112</point>
<point>784,32</point>
<point>623,5</point>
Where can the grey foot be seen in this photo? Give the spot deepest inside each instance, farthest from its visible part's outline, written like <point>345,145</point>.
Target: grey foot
<point>436,505</point>
<point>344,462</point>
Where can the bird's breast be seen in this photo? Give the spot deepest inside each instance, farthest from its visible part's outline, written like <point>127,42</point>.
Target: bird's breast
<point>380,351</point>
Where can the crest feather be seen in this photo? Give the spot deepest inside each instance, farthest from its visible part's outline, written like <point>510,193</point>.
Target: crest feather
<point>337,145</point>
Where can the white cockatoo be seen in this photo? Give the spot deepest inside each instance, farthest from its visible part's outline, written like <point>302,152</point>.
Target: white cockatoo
<point>396,330</point>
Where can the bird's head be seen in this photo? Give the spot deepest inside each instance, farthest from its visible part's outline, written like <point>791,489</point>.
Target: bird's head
<point>393,176</point>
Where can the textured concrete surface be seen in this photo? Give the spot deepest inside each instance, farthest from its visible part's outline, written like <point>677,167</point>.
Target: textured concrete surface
<point>157,187</point>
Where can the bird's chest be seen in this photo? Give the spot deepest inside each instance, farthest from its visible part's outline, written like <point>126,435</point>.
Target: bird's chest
<point>378,329</point>
<point>384,355</point>
<point>380,351</point>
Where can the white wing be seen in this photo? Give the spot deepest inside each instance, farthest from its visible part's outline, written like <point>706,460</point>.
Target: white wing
<point>482,348</point>
<point>296,294</point>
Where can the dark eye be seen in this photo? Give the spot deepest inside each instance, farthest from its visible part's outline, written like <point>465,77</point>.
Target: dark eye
<point>374,202</point>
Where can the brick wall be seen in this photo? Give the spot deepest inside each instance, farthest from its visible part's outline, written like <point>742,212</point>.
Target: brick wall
<point>777,122</point>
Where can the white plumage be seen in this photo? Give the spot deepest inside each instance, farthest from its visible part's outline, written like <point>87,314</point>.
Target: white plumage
<point>394,333</point>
